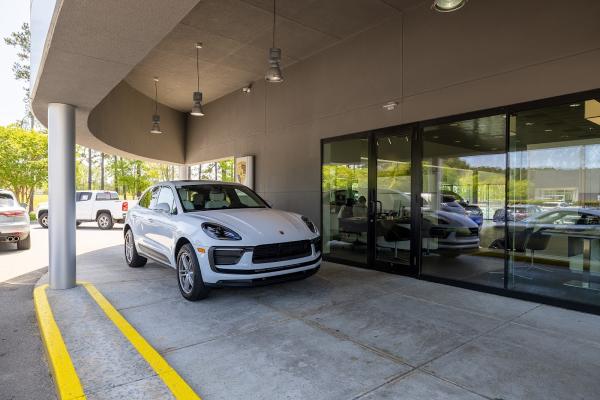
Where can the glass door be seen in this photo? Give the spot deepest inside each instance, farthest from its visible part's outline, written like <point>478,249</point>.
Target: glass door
<point>345,201</point>
<point>392,201</point>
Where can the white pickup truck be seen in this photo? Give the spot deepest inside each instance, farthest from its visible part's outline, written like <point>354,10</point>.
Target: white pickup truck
<point>101,206</point>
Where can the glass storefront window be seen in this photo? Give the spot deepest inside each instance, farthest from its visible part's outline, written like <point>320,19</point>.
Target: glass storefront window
<point>345,199</point>
<point>554,202</point>
<point>464,174</point>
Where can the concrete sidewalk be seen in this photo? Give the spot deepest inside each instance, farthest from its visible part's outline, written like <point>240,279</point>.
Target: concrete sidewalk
<point>345,333</point>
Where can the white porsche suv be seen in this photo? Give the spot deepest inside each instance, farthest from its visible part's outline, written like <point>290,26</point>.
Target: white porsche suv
<point>219,234</point>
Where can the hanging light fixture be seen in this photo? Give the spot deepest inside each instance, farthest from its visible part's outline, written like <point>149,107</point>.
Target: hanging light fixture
<point>197,97</point>
<point>448,5</point>
<point>155,117</point>
<point>274,72</point>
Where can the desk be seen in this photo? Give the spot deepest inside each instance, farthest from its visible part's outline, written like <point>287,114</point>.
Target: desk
<point>587,236</point>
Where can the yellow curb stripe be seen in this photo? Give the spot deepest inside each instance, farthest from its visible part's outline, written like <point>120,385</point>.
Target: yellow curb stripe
<point>67,382</point>
<point>179,388</point>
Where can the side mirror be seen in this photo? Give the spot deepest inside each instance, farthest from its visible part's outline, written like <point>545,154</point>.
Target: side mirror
<point>164,207</point>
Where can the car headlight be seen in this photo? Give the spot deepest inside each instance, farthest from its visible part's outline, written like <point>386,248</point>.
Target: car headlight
<point>219,232</point>
<point>311,226</point>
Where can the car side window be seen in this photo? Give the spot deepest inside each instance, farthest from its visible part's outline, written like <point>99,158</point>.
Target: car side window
<point>153,197</point>
<point>103,196</point>
<point>145,199</point>
<point>84,196</point>
<point>166,196</point>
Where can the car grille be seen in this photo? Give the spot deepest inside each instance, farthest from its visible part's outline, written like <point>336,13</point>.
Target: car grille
<point>227,256</point>
<point>468,232</point>
<point>267,253</point>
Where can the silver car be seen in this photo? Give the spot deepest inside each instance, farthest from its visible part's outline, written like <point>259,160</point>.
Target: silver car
<point>14,221</point>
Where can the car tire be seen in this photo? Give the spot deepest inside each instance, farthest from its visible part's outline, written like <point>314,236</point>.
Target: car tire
<point>24,244</point>
<point>132,258</point>
<point>77,223</point>
<point>189,277</point>
<point>43,219</point>
<point>105,221</point>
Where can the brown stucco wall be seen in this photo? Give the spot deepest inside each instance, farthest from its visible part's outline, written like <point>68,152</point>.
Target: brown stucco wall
<point>489,54</point>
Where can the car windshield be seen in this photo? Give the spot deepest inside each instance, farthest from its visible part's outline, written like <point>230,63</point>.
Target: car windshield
<point>6,200</point>
<point>217,197</point>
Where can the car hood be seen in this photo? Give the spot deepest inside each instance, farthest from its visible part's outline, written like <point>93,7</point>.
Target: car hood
<point>259,225</point>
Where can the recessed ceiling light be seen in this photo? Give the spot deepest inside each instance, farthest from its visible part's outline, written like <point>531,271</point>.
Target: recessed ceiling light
<point>528,123</point>
<point>447,5</point>
<point>547,130</point>
<point>574,105</point>
<point>457,141</point>
<point>436,137</point>
<point>475,145</point>
<point>564,136</point>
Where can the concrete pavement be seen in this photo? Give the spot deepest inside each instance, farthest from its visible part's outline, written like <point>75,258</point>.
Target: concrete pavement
<point>345,333</point>
<point>24,372</point>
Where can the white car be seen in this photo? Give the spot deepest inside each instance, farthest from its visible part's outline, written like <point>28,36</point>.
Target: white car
<point>14,221</point>
<point>219,234</point>
<point>102,206</point>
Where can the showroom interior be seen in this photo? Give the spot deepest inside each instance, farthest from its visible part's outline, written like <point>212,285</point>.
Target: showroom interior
<point>466,156</point>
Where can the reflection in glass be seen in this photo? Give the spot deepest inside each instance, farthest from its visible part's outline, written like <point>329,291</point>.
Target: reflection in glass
<point>345,199</point>
<point>392,221</point>
<point>464,166</point>
<point>554,240</point>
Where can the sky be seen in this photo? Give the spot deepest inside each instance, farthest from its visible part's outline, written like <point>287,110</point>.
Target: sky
<point>12,15</point>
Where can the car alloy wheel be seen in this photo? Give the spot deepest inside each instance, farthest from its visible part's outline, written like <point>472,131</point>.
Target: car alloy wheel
<point>186,273</point>
<point>128,246</point>
<point>103,221</point>
<point>44,220</point>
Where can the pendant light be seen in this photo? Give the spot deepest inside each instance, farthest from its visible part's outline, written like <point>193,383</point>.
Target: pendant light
<point>155,118</point>
<point>197,97</point>
<point>448,5</point>
<point>274,72</point>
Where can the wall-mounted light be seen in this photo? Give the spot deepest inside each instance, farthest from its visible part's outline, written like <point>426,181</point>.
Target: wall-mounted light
<point>448,5</point>
<point>155,117</point>
<point>274,74</point>
<point>390,105</point>
<point>592,111</point>
<point>247,89</point>
<point>197,96</point>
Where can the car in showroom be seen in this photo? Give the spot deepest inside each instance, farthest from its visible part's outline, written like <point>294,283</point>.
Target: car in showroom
<point>555,232</point>
<point>102,206</point>
<point>14,221</point>
<point>516,212</point>
<point>219,234</point>
<point>473,211</point>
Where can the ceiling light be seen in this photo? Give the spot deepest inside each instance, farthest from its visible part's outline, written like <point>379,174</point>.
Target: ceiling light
<point>274,74</point>
<point>197,106</point>
<point>457,141</point>
<point>475,145</point>
<point>528,123</point>
<point>547,130</point>
<point>436,137</point>
<point>447,5</point>
<point>155,117</point>
<point>574,105</point>
<point>197,96</point>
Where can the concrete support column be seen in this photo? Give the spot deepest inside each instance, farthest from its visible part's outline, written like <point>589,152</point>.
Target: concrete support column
<point>184,172</point>
<point>61,195</point>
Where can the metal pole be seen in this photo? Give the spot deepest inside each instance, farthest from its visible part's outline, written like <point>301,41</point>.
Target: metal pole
<point>61,195</point>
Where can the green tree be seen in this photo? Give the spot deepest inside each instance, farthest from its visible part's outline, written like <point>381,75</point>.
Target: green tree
<point>23,161</point>
<point>21,40</point>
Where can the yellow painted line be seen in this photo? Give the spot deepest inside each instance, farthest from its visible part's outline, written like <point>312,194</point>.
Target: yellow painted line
<point>179,388</point>
<point>67,382</point>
